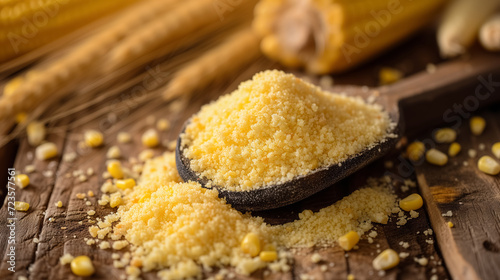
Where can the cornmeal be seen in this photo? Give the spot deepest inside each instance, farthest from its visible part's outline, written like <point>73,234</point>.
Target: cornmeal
<point>180,228</point>
<point>276,127</point>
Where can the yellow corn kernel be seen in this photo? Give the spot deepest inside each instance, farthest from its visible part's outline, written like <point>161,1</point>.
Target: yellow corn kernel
<point>114,152</point>
<point>488,165</point>
<point>93,138</point>
<point>477,125</point>
<point>349,240</point>
<point>415,150</point>
<point>450,224</point>
<point>36,133</point>
<point>21,117</point>
<point>386,260</point>
<point>150,138</point>
<point>123,137</point>
<point>82,266</point>
<point>436,157</point>
<point>162,124</point>
<point>125,184</point>
<point>22,180</point>
<point>389,75</point>
<point>411,202</point>
<point>115,169</point>
<point>46,151</point>
<point>21,206</point>
<point>268,256</point>
<point>495,149</point>
<point>445,135</point>
<point>454,149</point>
<point>251,244</point>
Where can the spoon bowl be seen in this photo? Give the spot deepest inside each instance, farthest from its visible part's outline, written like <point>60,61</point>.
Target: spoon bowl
<point>424,96</point>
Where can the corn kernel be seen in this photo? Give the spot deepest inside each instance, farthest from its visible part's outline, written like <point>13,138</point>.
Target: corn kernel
<point>21,206</point>
<point>21,117</point>
<point>125,184</point>
<point>22,180</point>
<point>495,149</point>
<point>46,151</point>
<point>436,157</point>
<point>150,138</point>
<point>36,133</point>
<point>114,152</point>
<point>477,125</point>
<point>124,137</point>
<point>268,256</point>
<point>115,169</point>
<point>415,150</point>
<point>349,240</point>
<point>389,75</point>
<point>450,224</point>
<point>93,138</point>
<point>251,244</point>
<point>488,165</point>
<point>445,135</point>
<point>386,260</point>
<point>82,266</point>
<point>411,202</point>
<point>454,149</point>
<point>162,124</point>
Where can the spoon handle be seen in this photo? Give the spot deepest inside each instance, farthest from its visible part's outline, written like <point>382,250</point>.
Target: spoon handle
<point>451,93</point>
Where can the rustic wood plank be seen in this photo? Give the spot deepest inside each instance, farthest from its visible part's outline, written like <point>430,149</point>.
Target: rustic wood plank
<point>472,248</point>
<point>37,195</point>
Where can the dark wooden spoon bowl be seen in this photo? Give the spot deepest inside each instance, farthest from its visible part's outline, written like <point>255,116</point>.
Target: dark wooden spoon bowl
<point>425,97</point>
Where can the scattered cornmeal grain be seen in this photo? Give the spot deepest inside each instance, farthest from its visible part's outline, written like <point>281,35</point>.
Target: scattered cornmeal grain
<point>276,127</point>
<point>181,227</point>
<point>66,258</point>
<point>450,224</point>
<point>59,204</point>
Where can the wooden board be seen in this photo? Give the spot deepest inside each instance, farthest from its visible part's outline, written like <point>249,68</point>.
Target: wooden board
<point>44,221</point>
<point>472,247</point>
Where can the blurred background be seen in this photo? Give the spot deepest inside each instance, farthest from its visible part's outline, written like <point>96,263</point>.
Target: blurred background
<point>59,58</point>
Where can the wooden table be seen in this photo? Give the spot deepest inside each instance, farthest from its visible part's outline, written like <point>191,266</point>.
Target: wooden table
<point>471,249</point>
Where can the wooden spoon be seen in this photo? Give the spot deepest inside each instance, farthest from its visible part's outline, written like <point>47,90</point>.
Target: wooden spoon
<point>449,95</point>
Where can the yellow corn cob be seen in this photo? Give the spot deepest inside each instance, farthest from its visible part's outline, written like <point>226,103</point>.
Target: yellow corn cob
<point>335,35</point>
<point>36,88</point>
<point>29,24</point>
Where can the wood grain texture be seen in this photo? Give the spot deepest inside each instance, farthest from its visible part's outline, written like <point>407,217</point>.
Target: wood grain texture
<point>472,247</point>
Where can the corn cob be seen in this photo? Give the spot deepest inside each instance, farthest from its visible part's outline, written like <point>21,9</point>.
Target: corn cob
<point>236,52</point>
<point>460,24</point>
<point>333,36</point>
<point>36,88</point>
<point>173,24</point>
<point>29,24</point>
